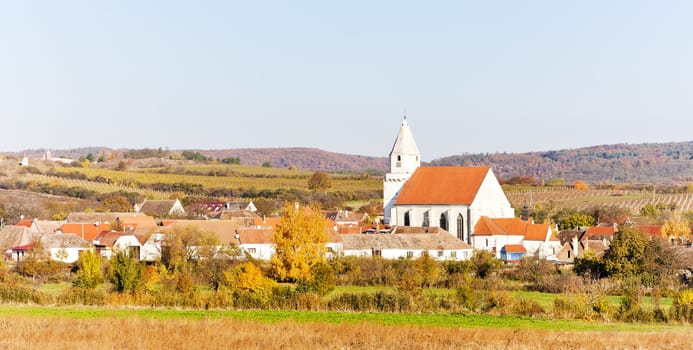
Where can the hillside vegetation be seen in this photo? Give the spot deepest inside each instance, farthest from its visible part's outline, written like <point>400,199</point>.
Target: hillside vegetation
<point>623,163</point>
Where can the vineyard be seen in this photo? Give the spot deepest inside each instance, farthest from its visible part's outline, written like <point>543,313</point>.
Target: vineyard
<point>582,199</point>
<point>98,187</point>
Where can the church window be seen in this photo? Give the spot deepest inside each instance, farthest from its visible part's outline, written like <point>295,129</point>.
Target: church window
<point>407,220</point>
<point>460,227</point>
<point>399,158</point>
<point>426,219</point>
<point>410,254</point>
<point>444,221</point>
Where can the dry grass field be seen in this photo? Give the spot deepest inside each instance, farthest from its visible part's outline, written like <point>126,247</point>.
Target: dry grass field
<point>27,332</point>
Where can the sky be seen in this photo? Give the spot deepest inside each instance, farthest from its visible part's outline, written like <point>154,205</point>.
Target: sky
<point>471,76</point>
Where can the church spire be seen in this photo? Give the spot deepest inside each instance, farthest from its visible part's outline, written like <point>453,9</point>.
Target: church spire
<point>405,156</point>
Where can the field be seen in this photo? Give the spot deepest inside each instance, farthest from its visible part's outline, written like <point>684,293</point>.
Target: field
<point>582,199</point>
<point>91,328</point>
<point>209,176</point>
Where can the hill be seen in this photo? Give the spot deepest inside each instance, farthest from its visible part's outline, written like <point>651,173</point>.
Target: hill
<point>302,158</point>
<point>660,163</point>
<point>299,157</point>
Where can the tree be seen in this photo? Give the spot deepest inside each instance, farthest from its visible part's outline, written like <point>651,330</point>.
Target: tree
<point>676,227</point>
<point>125,272</point>
<point>580,185</point>
<point>299,240</point>
<point>626,254</point>
<point>320,181</point>
<point>484,263</point>
<point>89,270</point>
<point>574,221</point>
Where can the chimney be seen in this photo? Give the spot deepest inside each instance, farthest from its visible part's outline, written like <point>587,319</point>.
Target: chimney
<point>575,246</point>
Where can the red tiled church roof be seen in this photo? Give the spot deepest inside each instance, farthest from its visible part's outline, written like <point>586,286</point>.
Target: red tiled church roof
<point>443,185</point>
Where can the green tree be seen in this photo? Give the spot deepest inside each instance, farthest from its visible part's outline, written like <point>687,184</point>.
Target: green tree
<point>319,182</point>
<point>576,220</point>
<point>649,210</point>
<point>89,270</point>
<point>125,272</point>
<point>299,240</point>
<point>484,264</point>
<point>626,254</point>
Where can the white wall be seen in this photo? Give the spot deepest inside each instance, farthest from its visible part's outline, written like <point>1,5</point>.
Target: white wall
<point>391,186</point>
<point>416,216</point>
<point>71,254</point>
<point>497,241</point>
<point>490,201</point>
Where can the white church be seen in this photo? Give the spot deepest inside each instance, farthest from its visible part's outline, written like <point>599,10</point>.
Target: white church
<point>452,198</point>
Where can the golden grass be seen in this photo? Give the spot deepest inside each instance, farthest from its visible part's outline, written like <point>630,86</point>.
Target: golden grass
<point>25,332</point>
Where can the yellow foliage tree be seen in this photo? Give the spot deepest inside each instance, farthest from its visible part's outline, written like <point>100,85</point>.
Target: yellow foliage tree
<point>247,277</point>
<point>676,227</point>
<point>299,240</point>
<point>580,185</point>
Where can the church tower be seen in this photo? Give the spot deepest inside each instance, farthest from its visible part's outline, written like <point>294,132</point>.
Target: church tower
<point>404,159</point>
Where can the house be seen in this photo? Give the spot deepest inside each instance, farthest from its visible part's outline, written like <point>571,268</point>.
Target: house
<point>575,244</point>
<point>492,234</point>
<point>652,231</point>
<point>108,242</point>
<point>255,242</point>
<point>161,208</point>
<point>412,243</point>
<point>513,252</point>
<point>249,206</point>
<point>452,198</point>
<point>39,227</point>
<point>602,231</point>
<point>346,217</point>
<point>13,236</point>
<point>151,248</point>
<point>126,219</point>
<point>64,247</point>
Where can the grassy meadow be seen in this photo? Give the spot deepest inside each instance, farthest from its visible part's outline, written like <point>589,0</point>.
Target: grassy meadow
<point>94,328</point>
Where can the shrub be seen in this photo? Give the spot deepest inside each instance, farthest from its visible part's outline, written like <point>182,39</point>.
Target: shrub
<point>572,306</point>
<point>682,306</point>
<point>83,296</point>
<point>526,307</point>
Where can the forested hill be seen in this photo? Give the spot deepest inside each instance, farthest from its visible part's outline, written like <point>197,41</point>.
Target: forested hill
<point>302,158</point>
<point>621,163</point>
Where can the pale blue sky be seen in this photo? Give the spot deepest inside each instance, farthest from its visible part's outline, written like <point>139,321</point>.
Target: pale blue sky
<point>473,76</point>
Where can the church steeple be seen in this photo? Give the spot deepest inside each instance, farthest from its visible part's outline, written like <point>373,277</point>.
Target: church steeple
<point>405,156</point>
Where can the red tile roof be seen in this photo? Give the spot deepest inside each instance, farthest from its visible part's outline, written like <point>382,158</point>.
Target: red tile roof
<point>651,230</point>
<point>514,248</point>
<point>512,226</point>
<point>87,232</point>
<point>600,230</point>
<point>442,185</point>
<point>25,223</point>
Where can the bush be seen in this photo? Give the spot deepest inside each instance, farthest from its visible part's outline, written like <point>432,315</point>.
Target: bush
<point>573,306</point>
<point>682,306</point>
<point>526,307</point>
<point>82,296</point>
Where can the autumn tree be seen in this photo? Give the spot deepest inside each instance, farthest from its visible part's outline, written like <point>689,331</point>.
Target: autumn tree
<point>580,185</point>
<point>676,227</point>
<point>320,181</point>
<point>299,240</point>
<point>89,270</point>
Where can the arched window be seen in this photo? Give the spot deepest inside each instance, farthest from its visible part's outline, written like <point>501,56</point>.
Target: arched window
<point>444,221</point>
<point>460,227</point>
<point>407,220</point>
<point>426,219</point>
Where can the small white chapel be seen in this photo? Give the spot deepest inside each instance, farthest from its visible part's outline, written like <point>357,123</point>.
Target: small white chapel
<point>451,198</point>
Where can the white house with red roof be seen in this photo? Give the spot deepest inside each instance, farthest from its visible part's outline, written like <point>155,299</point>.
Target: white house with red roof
<point>452,198</point>
<point>493,234</point>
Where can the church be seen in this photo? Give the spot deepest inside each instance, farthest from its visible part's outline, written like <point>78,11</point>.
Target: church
<point>452,198</point>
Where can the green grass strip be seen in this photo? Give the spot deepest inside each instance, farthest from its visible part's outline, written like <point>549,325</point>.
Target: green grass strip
<point>437,320</point>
